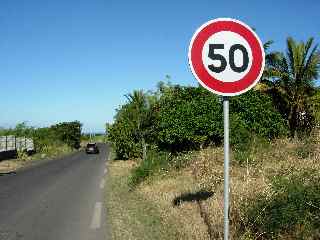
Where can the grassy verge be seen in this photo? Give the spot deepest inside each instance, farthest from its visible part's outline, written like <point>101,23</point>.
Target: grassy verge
<point>130,214</point>
<point>275,192</point>
<point>291,212</point>
<point>179,199</point>
<point>157,163</point>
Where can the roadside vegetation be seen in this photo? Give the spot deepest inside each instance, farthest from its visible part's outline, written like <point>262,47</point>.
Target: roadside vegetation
<point>172,138</point>
<point>49,142</point>
<point>129,214</point>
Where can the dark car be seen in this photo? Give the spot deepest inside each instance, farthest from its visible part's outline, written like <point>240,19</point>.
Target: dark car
<point>92,148</point>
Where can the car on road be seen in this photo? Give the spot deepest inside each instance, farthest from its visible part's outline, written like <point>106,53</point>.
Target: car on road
<point>92,148</point>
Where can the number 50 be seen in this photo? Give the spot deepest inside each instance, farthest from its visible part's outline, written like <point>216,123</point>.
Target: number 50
<point>223,62</point>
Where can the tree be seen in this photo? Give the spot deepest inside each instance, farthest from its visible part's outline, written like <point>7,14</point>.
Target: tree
<point>141,117</point>
<point>292,77</point>
<point>69,133</point>
<point>121,134</point>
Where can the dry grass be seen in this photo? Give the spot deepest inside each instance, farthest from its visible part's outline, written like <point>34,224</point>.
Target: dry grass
<point>130,215</point>
<point>246,181</point>
<point>187,217</point>
<point>203,219</point>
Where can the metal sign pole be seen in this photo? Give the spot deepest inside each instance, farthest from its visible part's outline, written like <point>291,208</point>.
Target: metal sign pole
<point>205,72</point>
<point>226,166</point>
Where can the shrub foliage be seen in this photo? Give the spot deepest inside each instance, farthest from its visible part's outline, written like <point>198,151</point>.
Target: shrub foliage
<point>68,133</point>
<point>184,118</point>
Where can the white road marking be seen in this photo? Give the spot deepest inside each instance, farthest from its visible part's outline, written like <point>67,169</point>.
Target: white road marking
<point>105,171</point>
<point>102,183</point>
<point>96,219</point>
<point>109,156</point>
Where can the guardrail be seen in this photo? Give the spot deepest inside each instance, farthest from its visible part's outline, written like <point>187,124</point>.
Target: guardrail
<point>13,143</point>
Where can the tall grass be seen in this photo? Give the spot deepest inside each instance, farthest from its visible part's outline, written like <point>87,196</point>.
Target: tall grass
<point>154,162</point>
<point>251,150</point>
<point>158,162</point>
<point>293,209</point>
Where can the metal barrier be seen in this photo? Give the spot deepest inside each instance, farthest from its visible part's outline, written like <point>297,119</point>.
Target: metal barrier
<point>13,143</point>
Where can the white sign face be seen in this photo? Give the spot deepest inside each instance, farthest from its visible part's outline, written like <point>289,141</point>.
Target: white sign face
<point>226,57</point>
<point>241,57</point>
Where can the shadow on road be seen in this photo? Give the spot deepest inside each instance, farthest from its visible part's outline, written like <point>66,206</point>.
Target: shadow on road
<point>8,173</point>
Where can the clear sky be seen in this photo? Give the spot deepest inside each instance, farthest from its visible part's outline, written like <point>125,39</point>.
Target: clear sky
<point>64,60</point>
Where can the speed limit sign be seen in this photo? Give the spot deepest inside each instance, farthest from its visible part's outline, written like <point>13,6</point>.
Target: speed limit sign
<point>226,56</point>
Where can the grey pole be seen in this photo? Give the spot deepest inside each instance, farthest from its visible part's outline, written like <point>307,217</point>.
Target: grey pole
<point>226,166</point>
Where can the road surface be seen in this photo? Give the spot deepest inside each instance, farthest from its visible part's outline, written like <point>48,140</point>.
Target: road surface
<point>56,200</point>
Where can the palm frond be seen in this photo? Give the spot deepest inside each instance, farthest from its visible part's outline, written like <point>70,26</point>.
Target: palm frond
<point>306,50</point>
<point>312,65</point>
<point>291,49</point>
<point>267,44</point>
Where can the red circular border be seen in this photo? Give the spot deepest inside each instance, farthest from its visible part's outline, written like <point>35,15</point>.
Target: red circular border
<point>212,83</point>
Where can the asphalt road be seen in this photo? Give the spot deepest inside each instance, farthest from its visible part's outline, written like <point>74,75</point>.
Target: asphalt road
<point>56,200</point>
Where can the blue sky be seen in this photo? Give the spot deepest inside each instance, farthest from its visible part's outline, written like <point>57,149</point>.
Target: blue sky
<point>67,60</point>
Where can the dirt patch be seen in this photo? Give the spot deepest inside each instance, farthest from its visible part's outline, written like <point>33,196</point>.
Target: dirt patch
<point>8,166</point>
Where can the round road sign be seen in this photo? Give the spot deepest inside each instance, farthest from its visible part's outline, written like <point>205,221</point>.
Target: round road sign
<point>226,56</point>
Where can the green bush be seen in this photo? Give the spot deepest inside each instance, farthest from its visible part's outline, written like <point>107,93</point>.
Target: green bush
<point>69,133</point>
<point>292,210</point>
<point>134,126</point>
<point>45,137</point>
<point>240,135</point>
<point>254,123</point>
<point>57,135</point>
<point>177,119</point>
<point>258,114</point>
<point>154,162</point>
<point>189,117</point>
<point>48,142</point>
<point>124,142</point>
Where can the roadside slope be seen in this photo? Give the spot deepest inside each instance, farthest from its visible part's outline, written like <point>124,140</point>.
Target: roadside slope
<point>131,216</point>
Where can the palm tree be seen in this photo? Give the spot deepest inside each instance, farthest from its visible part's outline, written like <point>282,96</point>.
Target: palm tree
<point>292,79</point>
<point>264,84</point>
<point>139,116</point>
